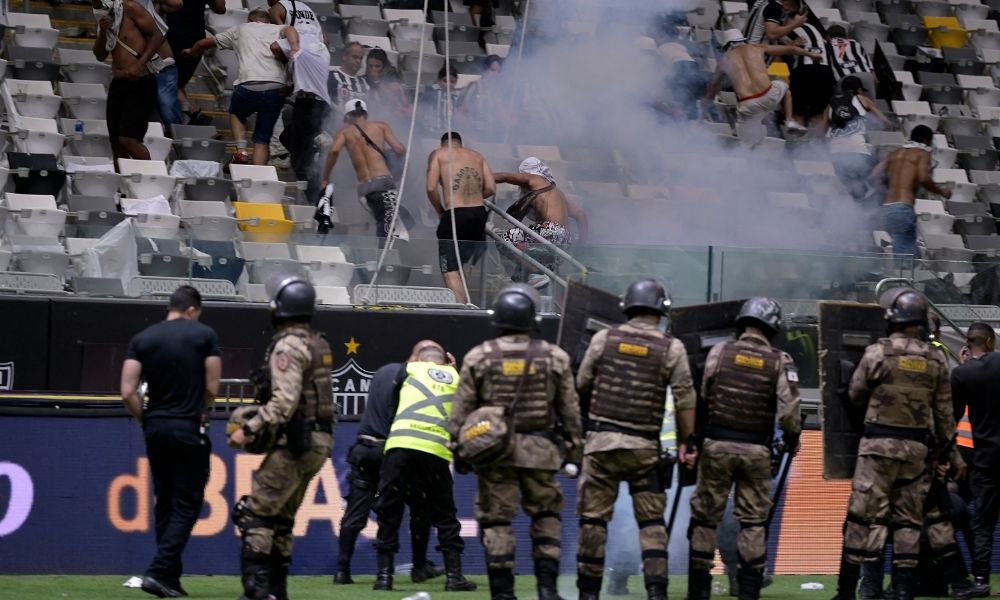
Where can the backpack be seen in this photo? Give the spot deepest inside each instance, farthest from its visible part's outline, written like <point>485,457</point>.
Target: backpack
<point>842,110</point>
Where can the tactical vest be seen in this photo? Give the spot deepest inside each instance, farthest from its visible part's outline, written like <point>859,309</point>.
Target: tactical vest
<point>316,399</point>
<point>630,386</point>
<point>504,368</point>
<point>743,395</point>
<point>424,408</point>
<point>904,395</point>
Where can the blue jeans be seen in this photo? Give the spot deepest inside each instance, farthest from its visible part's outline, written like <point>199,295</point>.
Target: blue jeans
<point>170,106</point>
<point>266,104</point>
<point>900,222</point>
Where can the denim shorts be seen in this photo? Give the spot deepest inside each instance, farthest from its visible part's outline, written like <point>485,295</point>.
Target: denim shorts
<point>266,105</point>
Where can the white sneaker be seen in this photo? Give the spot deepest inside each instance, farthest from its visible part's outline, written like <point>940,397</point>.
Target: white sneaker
<point>795,130</point>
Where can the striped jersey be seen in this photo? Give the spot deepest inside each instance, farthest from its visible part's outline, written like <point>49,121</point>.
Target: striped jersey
<point>344,87</point>
<point>763,11</point>
<point>814,43</point>
<point>848,57</point>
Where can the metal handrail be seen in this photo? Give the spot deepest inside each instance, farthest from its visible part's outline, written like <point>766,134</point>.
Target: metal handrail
<point>535,236</point>
<point>530,260</point>
<point>931,305</point>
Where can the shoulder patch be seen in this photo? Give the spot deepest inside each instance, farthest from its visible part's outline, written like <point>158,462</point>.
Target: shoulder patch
<point>281,361</point>
<point>633,349</point>
<point>914,365</point>
<point>793,375</point>
<point>751,362</point>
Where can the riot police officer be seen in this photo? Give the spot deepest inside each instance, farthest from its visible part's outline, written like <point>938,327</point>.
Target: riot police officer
<point>296,393</point>
<point>904,382</point>
<point>746,384</point>
<point>491,373</point>
<point>622,384</point>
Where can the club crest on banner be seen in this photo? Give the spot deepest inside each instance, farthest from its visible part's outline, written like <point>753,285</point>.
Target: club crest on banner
<point>6,376</point>
<point>350,387</point>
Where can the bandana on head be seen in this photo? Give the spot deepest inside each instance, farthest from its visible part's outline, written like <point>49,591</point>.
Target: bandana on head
<point>534,166</point>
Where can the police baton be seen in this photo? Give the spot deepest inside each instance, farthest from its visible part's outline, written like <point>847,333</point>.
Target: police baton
<point>783,470</point>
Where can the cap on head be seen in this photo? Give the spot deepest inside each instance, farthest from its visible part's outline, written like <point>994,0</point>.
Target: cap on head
<point>355,106</point>
<point>904,306</point>
<point>515,308</point>
<point>836,31</point>
<point>730,37</point>
<point>851,84</point>
<point>294,298</point>
<point>762,313</point>
<point>645,294</point>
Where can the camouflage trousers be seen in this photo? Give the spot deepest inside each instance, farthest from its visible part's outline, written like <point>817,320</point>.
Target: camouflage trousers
<point>722,464</point>
<point>889,486</point>
<point>501,489</point>
<point>598,490</point>
<point>278,487</point>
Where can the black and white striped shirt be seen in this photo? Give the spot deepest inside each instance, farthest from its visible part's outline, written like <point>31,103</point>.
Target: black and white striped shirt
<point>848,57</point>
<point>814,43</point>
<point>763,11</point>
<point>344,87</point>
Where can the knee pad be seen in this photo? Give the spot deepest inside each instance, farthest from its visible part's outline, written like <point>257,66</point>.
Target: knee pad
<point>693,523</point>
<point>593,522</point>
<point>245,519</point>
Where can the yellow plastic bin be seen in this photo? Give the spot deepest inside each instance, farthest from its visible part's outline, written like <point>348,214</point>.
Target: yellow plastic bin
<point>261,222</point>
<point>778,70</point>
<point>945,32</point>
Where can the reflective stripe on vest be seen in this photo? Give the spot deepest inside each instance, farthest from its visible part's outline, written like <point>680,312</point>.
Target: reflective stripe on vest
<point>964,430</point>
<point>424,408</point>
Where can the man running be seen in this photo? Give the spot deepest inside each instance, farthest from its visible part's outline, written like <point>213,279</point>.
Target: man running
<point>466,180</point>
<point>548,207</point>
<point>744,66</point>
<point>906,169</point>
<point>365,141</point>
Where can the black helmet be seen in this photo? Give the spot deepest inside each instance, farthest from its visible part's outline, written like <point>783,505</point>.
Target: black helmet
<point>760,312</point>
<point>294,298</point>
<point>262,441</point>
<point>646,293</point>
<point>514,308</point>
<point>904,306</point>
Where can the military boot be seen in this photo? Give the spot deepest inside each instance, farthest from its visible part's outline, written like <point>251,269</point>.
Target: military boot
<point>902,583</point>
<point>546,575</point>
<point>456,582</point>
<point>872,573</point>
<point>425,571</point>
<point>750,581</point>
<point>847,581</point>
<point>699,584</point>
<point>654,591</point>
<point>617,582</point>
<point>343,574</point>
<point>501,584</point>
<point>255,572</point>
<point>383,577</point>
<point>279,575</point>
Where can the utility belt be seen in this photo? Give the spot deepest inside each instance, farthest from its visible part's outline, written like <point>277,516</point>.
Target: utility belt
<point>876,430</point>
<point>728,434</point>
<point>611,427</point>
<point>299,429</point>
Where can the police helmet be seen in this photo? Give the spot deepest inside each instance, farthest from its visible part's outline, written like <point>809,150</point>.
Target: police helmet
<point>760,312</point>
<point>515,308</point>
<point>294,297</point>
<point>904,306</point>
<point>262,441</point>
<point>646,293</point>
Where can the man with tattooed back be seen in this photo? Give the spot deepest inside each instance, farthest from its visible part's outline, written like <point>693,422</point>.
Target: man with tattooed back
<point>466,180</point>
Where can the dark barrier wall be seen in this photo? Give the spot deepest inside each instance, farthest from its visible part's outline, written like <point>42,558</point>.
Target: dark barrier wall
<point>71,345</point>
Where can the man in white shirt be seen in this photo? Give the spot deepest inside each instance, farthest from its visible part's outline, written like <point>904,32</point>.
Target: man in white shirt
<point>259,83</point>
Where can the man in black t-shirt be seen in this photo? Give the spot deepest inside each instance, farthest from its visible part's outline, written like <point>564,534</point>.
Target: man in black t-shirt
<point>365,458</point>
<point>187,26</point>
<point>976,384</point>
<point>179,360</point>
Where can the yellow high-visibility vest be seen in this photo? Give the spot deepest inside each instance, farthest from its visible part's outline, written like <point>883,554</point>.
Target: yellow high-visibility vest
<point>424,408</point>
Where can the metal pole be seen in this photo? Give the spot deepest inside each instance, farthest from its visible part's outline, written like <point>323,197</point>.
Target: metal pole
<point>533,235</point>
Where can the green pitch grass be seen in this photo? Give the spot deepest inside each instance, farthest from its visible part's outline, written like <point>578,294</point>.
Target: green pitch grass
<point>109,587</point>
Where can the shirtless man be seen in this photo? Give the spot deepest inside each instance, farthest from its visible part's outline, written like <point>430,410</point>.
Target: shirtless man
<point>550,210</point>
<point>127,33</point>
<point>744,66</point>
<point>466,180</point>
<point>375,182</point>
<point>907,169</point>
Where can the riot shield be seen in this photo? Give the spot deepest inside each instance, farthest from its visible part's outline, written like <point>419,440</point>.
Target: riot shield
<point>587,311</point>
<point>845,330</point>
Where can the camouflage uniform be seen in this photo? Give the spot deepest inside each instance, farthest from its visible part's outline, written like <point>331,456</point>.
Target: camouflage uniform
<point>905,383</point>
<point>299,362</point>
<point>746,384</point>
<point>626,370</point>
<point>490,375</point>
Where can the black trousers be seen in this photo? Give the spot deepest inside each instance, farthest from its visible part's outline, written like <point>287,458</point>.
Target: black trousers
<point>308,116</point>
<point>178,459</point>
<point>424,482</point>
<point>985,485</point>
<point>365,458</point>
